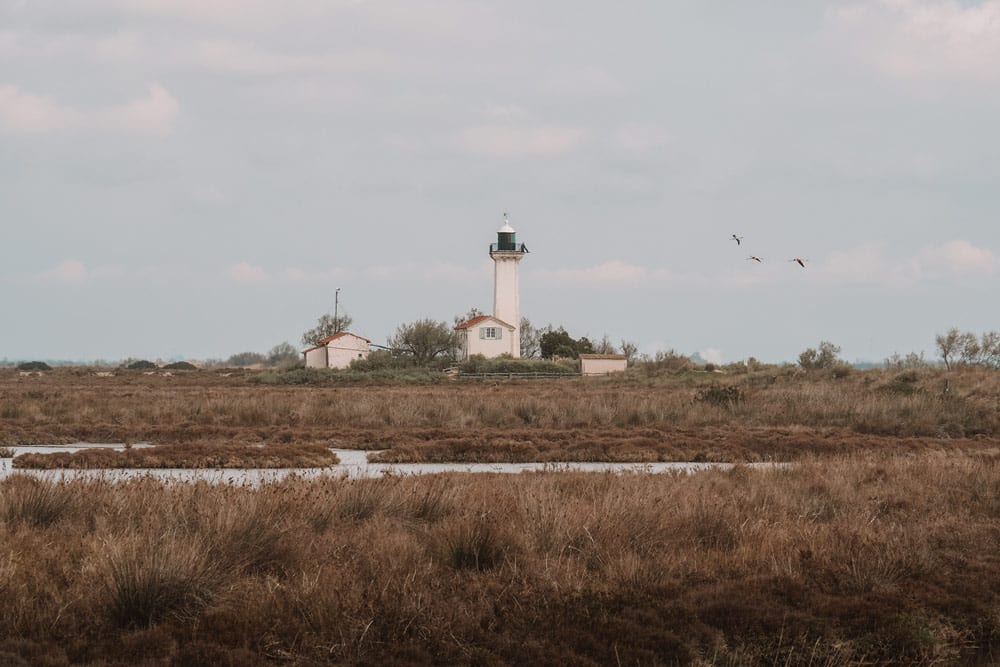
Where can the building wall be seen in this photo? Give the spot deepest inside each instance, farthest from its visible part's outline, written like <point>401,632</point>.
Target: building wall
<point>506,294</point>
<point>602,366</point>
<point>316,358</point>
<point>340,352</point>
<point>489,347</point>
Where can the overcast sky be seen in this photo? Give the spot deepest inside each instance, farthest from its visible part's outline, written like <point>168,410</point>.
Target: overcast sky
<point>196,177</point>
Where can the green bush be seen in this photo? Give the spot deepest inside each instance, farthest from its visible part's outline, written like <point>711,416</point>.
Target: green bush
<point>141,365</point>
<point>725,397</point>
<point>180,366</point>
<point>506,364</point>
<point>34,366</point>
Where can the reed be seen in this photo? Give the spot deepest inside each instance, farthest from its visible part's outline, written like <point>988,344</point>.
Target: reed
<point>856,558</point>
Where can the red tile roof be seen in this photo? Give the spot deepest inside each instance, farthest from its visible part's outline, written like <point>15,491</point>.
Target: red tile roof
<point>340,334</point>
<point>482,318</point>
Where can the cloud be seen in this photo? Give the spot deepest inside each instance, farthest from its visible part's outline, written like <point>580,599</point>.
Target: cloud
<point>246,273</point>
<point>912,39</point>
<point>958,257</point>
<point>75,272</point>
<point>26,113</point>
<point>614,272</point>
<point>514,141</point>
<point>636,138</point>
<point>243,58</point>
<point>154,114</point>
<point>870,264</point>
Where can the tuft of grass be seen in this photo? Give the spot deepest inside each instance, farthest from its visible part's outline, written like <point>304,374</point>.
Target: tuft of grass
<point>149,581</point>
<point>38,503</point>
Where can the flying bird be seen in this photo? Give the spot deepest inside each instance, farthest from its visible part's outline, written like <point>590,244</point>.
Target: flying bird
<point>754,258</point>
<point>736,238</point>
<point>800,262</point>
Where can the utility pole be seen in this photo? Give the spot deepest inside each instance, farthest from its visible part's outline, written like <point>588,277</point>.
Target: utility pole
<point>336,307</point>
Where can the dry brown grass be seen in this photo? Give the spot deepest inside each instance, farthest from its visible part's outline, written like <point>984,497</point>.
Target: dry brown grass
<point>185,455</point>
<point>865,559</point>
<point>780,415</point>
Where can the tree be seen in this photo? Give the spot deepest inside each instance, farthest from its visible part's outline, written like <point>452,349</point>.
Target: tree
<point>246,359</point>
<point>283,353</point>
<point>969,350</point>
<point>990,344</point>
<point>948,345</point>
<point>630,350</point>
<point>558,343</point>
<point>530,339</point>
<point>605,346</point>
<point>426,340</point>
<point>327,325</point>
<point>824,357</point>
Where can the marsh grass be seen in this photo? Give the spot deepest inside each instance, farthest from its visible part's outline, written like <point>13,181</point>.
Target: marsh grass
<point>762,415</point>
<point>861,558</point>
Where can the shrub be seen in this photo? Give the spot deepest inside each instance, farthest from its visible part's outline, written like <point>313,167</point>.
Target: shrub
<point>823,357</point>
<point>474,545</point>
<point>6,453</point>
<point>506,364</point>
<point>141,365</point>
<point>725,397</point>
<point>148,583</point>
<point>34,502</point>
<point>34,366</point>
<point>180,366</point>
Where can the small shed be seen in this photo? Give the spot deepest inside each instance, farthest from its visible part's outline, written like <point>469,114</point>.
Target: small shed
<point>337,351</point>
<point>602,364</point>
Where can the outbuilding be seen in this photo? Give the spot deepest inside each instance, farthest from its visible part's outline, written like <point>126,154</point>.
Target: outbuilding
<point>602,364</point>
<point>337,351</point>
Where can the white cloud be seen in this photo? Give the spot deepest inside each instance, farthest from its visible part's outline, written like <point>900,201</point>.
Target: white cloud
<point>246,273</point>
<point>958,257</point>
<point>614,272</point>
<point>870,264</point>
<point>925,38</point>
<point>636,138</point>
<point>243,58</point>
<point>26,113</point>
<point>153,114</point>
<point>75,272</point>
<point>512,141</point>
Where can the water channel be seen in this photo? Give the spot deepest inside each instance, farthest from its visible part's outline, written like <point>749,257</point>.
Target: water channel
<point>353,464</point>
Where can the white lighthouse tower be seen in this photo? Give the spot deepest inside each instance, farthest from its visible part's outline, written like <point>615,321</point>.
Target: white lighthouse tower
<point>500,333</point>
<point>507,254</point>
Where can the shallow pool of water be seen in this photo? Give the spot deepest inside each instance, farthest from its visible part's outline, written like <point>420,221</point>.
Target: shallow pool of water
<point>353,464</point>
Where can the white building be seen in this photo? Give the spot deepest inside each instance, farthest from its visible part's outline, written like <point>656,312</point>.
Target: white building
<point>489,337</point>
<point>337,351</point>
<point>602,364</point>
<point>492,336</point>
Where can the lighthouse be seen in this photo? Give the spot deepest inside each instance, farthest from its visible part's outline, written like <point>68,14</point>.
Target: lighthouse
<point>507,254</point>
<point>499,333</point>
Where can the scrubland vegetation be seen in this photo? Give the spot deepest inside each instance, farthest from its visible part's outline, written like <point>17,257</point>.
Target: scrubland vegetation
<point>864,559</point>
<point>645,415</point>
<point>186,455</point>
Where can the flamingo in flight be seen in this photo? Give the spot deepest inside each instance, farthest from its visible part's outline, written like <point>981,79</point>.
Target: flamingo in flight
<point>736,238</point>
<point>754,258</point>
<point>800,262</point>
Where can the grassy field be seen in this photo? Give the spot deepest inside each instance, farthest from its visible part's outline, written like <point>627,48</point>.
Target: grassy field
<point>776,414</point>
<point>856,560</point>
<point>880,546</point>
